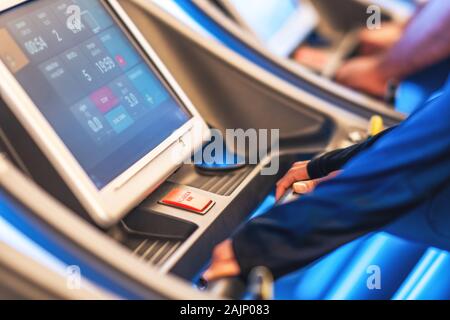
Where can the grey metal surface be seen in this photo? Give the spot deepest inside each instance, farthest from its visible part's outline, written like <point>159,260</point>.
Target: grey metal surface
<point>90,241</point>
<point>221,183</point>
<point>23,278</point>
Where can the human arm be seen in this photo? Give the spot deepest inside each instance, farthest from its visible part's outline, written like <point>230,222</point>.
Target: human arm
<point>392,178</point>
<point>323,167</point>
<point>425,42</point>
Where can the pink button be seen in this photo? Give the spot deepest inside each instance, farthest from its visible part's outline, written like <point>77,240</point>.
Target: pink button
<point>104,99</point>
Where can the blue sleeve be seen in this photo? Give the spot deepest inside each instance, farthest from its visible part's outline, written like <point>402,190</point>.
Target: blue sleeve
<point>396,175</point>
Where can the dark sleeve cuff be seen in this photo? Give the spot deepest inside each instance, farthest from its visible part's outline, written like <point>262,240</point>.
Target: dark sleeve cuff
<point>318,168</point>
<point>335,160</point>
<point>329,162</point>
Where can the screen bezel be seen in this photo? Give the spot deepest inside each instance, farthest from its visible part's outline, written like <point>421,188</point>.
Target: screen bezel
<point>110,204</point>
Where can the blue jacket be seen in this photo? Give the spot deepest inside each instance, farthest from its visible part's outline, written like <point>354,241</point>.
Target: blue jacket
<point>402,182</point>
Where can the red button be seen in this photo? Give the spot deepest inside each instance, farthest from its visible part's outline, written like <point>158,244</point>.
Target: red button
<point>187,200</point>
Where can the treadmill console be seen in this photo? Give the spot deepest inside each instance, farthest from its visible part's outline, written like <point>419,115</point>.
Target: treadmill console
<point>98,121</point>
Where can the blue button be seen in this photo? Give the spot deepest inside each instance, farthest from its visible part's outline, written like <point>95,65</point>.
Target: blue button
<point>119,119</point>
<point>150,87</point>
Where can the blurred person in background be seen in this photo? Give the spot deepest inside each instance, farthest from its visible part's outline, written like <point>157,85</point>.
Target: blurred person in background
<point>396,52</point>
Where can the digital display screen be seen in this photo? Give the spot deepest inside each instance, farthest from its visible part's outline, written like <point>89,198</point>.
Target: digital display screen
<point>105,101</point>
<point>173,8</point>
<point>266,17</point>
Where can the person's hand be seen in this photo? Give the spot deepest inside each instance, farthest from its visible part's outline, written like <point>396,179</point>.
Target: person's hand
<point>380,40</point>
<point>224,263</point>
<point>298,179</point>
<point>305,187</point>
<point>298,172</point>
<point>365,74</point>
<point>315,58</point>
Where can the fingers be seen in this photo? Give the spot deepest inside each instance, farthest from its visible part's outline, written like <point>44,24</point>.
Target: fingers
<point>223,264</point>
<point>224,251</point>
<point>297,178</point>
<point>382,39</point>
<point>221,270</point>
<point>342,74</point>
<point>283,185</point>
<point>300,164</point>
<point>305,187</point>
<point>298,172</point>
<point>311,57</point>
<point>331,176</point>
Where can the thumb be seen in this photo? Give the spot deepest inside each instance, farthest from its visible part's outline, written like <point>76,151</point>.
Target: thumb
<point>304,187</point>
<point>209,275</point>
<point>220,270</point>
